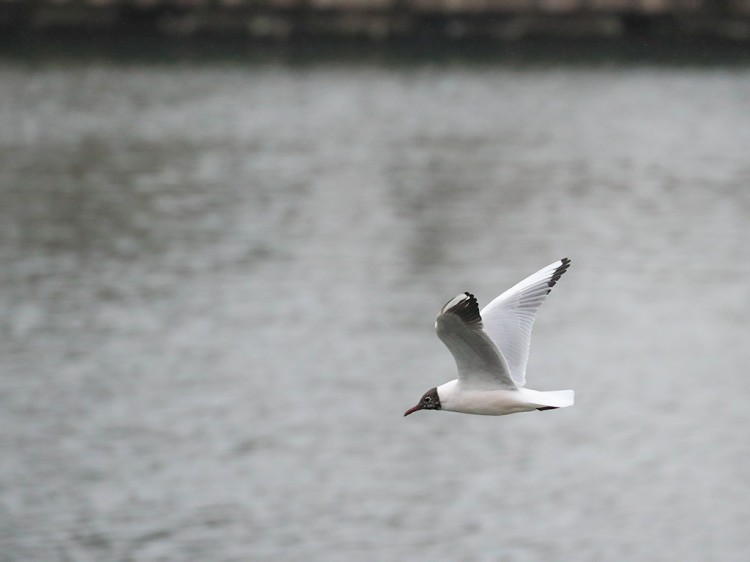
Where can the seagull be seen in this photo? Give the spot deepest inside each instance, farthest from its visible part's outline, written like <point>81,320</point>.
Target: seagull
<point>491,349</point>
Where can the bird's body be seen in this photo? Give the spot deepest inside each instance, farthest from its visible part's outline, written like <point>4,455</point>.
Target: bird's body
<point>491,350</point>
<point>454,398</point>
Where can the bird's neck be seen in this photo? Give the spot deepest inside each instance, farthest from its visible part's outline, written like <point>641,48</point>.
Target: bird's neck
<point>446,392</point>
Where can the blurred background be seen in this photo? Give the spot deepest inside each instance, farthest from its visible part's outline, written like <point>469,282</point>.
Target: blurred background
<point>226,229</point>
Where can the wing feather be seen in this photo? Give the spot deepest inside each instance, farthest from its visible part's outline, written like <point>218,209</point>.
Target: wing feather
<point>509,318</point>
<point>479,362</point>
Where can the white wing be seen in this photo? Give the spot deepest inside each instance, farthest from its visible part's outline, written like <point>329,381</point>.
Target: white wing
<point>480,363</point>
<point>509,318</point>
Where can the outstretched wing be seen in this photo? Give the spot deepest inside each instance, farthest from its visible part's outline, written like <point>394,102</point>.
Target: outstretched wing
<point>480,363</point>
<point>508,319</point>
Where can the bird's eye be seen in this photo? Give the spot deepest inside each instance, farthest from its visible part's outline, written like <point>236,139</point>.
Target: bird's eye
<point>427,399</point>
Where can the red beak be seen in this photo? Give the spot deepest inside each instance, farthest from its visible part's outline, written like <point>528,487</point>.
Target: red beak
<point>412,410</point>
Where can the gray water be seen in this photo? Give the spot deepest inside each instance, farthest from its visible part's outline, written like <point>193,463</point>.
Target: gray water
<point>219,282</point>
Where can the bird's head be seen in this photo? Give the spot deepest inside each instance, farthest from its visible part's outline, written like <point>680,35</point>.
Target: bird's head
<point>429,401</point>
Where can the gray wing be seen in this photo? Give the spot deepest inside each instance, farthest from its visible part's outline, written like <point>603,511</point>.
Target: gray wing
<point>479,362</point>
<point>508,319</point>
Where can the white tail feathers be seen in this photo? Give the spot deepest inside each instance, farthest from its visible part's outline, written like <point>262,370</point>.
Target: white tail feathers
<point>547,400</point>
<point>555,398</point>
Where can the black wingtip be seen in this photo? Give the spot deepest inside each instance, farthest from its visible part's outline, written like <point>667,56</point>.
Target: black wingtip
<point>562,268</point>
<point>465,307</point>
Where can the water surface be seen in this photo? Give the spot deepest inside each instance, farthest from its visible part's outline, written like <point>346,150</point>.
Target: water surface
<point>219,283</point>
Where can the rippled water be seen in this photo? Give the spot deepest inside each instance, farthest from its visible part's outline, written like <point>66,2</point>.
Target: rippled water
<point>218,290</point>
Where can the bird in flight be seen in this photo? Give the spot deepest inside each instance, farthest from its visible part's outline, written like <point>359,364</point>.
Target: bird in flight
<point>491,349</point>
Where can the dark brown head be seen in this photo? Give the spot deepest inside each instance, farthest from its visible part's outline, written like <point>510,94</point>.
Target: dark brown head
<point>430,401</point>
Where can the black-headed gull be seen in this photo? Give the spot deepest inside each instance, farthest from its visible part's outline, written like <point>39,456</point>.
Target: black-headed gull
<point>491,349</point>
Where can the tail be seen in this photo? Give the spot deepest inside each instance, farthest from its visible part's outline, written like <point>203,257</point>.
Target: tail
<point>554,399</point>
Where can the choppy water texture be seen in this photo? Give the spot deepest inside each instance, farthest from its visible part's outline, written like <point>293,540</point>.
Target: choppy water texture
<point>218,287</point>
